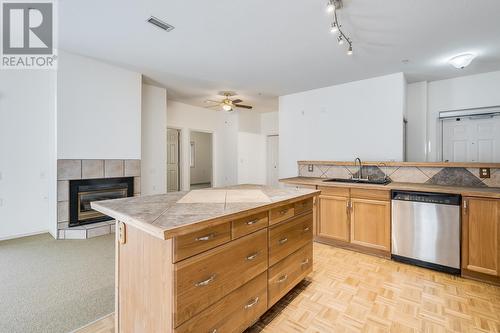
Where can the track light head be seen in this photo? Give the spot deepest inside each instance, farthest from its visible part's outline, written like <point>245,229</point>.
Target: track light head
<point>340,40</point>
<point>330,7</point>
<point>334,28</point>
<point>349,51</point>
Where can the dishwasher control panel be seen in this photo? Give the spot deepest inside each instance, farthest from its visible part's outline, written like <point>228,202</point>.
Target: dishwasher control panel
<point>427,197</point>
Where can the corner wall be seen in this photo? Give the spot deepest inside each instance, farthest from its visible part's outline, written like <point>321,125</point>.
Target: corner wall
<point>27,152</point>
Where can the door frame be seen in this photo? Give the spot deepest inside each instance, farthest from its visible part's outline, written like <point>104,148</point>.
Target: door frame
<point>179,159</point>
<point>267,155</point>
<point>187,164</point>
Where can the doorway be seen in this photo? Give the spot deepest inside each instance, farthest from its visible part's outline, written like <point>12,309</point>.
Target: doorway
<point>200,160</point>
<point>173,150</point>
<point>273,160</point>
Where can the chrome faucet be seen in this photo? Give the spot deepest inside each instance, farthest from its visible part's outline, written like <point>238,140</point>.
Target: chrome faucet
<point>360,174</point>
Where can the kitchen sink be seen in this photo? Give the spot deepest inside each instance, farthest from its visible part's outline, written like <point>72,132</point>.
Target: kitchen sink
<point>359,181</point>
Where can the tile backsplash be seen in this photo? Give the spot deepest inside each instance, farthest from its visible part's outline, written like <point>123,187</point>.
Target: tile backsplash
<point>407,174</point>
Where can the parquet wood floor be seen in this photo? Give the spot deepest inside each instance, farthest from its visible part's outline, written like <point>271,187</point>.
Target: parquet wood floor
<point>353,292</point>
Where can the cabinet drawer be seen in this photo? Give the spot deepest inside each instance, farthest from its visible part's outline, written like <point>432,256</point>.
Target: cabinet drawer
<point>335,191</point>
<point>289,237</point>
<point>247,225</point>
<point>303,206</point>
<point>204,279</point>
<point>362,193</point>
<point>282,213</point>
<point>233,313</point>
<point>188,245</point>
<point>287,273</point>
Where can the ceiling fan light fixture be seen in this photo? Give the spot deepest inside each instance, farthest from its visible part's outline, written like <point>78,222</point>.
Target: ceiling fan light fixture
<point>227,107</point>
<point>462,60</point>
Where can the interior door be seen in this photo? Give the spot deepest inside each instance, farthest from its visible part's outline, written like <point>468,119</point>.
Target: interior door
<point>472,139</point>
<point>273,160</point>
<point>172,160</point>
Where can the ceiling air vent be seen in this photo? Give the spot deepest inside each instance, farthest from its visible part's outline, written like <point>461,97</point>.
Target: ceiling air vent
<point>160,24</point>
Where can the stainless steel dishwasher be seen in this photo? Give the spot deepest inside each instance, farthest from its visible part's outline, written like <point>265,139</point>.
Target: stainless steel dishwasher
<point>426,229</point>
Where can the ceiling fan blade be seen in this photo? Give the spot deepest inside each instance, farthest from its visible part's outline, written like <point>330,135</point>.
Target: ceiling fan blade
<point>236,101</point>
<point>243,106</point>
<point>212,101</point>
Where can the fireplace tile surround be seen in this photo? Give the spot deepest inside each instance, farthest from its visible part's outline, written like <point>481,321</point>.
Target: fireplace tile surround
<point>89,169</point>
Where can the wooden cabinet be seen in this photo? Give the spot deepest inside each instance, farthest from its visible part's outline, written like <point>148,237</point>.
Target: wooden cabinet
<point>355,218</point>
<point>333,221</point>
<point>481,238</point>
<point>371,223</point>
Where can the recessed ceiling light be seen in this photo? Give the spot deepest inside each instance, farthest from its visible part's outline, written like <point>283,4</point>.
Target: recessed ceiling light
<point>160,24</point>
<point>462,60</point>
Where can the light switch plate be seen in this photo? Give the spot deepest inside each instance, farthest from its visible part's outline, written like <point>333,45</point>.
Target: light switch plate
<point>484,172</point>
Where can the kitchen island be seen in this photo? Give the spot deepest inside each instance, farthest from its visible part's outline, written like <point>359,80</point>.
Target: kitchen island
<point>211,260</point>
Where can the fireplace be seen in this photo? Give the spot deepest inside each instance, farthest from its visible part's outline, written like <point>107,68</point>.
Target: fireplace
<point>83,192</point>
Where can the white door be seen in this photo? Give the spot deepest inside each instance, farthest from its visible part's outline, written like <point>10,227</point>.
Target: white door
<point>273,160</point>
<point>172,160</point>
<point>472,139</point>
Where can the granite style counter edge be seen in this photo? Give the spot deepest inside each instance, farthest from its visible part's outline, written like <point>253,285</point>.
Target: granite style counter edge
<point>164,203</point>
<point>482,192</point>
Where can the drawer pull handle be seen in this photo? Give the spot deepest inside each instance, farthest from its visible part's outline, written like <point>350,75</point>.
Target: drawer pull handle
<point>252,222</point>
<point>283,241</point>
<point>252,256</point>
<point>305,262</point>
<point>282,278</point>
<point>205,282</point>
<point>252,303</point>
<point>213,331</point>
<point>306,229</point>
<point>283,212</point>
<point>205,238</point>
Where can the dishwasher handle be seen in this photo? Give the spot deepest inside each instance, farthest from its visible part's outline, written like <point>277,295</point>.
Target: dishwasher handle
<point>427,197</point>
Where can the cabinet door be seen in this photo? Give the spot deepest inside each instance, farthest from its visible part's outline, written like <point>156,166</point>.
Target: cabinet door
<point>480,235</point>
<point>371,223</point>
<point>333,217</point>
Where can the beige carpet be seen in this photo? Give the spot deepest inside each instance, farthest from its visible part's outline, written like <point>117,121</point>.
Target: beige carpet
<point>55,286</point>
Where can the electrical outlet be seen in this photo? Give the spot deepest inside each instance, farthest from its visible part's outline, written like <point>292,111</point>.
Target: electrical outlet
<point>310,168</point>
<point>484,172</point>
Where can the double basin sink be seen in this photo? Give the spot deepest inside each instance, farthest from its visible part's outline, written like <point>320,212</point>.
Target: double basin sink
<point>359,181</point>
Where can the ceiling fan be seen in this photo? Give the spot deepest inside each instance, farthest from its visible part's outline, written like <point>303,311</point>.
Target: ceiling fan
<point>228,104</point>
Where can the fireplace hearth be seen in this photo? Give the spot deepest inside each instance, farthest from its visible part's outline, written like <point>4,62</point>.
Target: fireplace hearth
<point>83,192</point>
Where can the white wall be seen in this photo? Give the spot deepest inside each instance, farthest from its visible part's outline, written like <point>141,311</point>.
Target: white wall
<point>154,140</point>
<point>224,127</point>
<point>251,158</point>
<point>269,123</point>
<point>362,118</point>
<point>417,122</point>
<point>27,152</point>
<point>202,170</point>
<point>99,110</point>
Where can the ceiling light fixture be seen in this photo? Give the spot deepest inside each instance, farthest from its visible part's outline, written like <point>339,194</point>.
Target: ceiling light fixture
<point>227,107</point>
<point>462,60</point>
<point>334,6</point>
<point>330,7</point>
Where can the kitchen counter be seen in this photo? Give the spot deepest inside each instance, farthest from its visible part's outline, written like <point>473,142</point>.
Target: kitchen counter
<point>169,215</point>
<point>483,192</point>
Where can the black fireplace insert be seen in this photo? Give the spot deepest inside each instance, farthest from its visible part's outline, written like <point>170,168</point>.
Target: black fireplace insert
<point>83,192</point>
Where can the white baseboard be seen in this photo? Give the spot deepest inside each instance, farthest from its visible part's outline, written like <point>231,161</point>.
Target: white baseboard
<point>25,235</point>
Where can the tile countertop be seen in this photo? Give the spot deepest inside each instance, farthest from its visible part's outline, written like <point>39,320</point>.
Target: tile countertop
<point>483,192</point>
<point>168,215</point>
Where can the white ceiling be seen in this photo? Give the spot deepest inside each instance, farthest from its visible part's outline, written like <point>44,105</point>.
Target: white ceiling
<point>267,48</point>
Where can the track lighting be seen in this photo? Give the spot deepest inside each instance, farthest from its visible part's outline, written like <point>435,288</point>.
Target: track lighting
<point>330,7</point>
<point>335,27</point>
